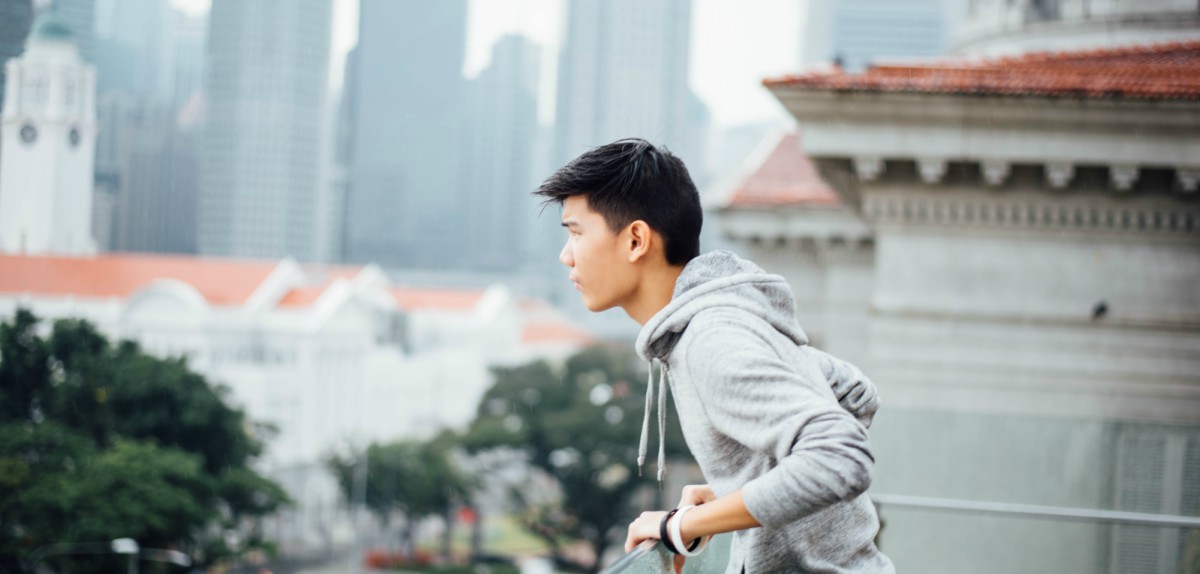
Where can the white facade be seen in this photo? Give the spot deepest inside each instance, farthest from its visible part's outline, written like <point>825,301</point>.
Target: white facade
<point>1026,304</point>
<point>1005,27</point>
<point>48,128</point>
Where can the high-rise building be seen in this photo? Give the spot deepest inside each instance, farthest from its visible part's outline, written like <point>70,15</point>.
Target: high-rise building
<point>268,61</point>
<point>15,18</point>
<point>49,131</point>
<point>501,129</point>
<point>184,76</point>
<point>130,46</point>
<point>150,61</point>
<point>624,73</point>
<point>855,33</point>
<point>404,203</point>
<point>152,182</point>
<point>80,17</point>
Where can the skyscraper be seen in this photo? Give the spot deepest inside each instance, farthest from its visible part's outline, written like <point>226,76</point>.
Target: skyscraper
<point>131,46</point>
<point>857,32</point>
<point>502,126</point>
<point>268,61</point>
<point>624,73</point>
<point>16,16</point>
<point>404,203</point>
<point>80,17</point>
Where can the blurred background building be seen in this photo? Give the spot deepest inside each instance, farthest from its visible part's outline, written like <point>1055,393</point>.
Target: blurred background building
<point>1014,266</point>
<point>855,33</point>
<point>260,182</point>
<point>404,203</point>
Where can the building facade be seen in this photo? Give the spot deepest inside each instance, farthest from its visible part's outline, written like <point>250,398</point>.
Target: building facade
<point>268,62</point>
<point>48,126</point>
<point>856,33</point>
<point>624,73</point>
<point>404,205</point>
<point>1016,275</point>
<point>995,27</point>
<point>500,131</point>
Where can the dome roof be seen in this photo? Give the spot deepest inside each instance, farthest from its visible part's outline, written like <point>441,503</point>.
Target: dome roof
<point>50,27</point>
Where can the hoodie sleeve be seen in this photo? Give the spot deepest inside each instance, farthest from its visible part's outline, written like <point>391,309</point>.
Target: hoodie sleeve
<point>852,389</point>
<point>788,412</point>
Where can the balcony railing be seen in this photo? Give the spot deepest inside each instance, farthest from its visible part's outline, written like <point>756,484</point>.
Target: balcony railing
<point>651,557</point>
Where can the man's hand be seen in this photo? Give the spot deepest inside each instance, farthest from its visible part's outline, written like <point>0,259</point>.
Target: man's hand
<point>643,529</point>
<point>646,528</point>
<point>695,495</point>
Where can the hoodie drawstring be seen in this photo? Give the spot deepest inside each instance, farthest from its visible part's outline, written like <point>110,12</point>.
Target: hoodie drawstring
<point>644,442</point>
<point>662,420</point>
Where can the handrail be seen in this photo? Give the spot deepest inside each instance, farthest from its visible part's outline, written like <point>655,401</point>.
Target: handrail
<point>625,561</point>
<point>1058,512</point>
<point>662,561</point>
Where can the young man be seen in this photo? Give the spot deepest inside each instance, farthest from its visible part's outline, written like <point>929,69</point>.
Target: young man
<point>777,427</point>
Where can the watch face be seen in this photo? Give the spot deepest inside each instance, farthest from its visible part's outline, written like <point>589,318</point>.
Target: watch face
<point>73,137</point>
<point>28,134</point>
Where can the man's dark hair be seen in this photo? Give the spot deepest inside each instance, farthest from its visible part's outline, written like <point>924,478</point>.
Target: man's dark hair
<point>631,179</point>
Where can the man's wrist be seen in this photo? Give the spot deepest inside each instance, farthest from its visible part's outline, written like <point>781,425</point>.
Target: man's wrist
<point>687,519</point>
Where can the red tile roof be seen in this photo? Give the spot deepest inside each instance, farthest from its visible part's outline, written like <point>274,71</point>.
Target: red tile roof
<point>222,282</point>
<point>302,296</point>
<point>542,332</point>
<point>786,177</point>
<point>410,298</point>
<point>1149,72</point>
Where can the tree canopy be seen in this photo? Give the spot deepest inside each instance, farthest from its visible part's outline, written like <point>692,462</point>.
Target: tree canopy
<point>579,425</point>
<point>99,442</point>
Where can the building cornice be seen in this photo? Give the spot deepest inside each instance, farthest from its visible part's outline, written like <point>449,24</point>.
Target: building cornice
<point>857,140</point>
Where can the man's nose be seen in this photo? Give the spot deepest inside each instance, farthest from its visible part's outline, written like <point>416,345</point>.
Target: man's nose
<point>564,256</point>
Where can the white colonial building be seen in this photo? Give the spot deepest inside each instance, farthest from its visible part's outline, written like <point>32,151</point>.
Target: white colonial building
<point>48,128</point>
<point>1011,248</point>
<point>334,357</point>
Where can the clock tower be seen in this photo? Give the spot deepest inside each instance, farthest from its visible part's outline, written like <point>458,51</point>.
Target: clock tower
<point>48,131</point>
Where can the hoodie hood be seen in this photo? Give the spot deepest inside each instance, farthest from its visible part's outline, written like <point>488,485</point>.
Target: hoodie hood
<point>720,279</point>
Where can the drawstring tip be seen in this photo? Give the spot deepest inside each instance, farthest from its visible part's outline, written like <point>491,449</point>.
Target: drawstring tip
<point>641,461</point>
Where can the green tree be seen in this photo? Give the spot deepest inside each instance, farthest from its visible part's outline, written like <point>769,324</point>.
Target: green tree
<point>100,442</point>
<point>417,479</point>
<point>579,425</point>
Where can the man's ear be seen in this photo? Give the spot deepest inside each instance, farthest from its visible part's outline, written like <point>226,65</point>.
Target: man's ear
<point>639,239</point>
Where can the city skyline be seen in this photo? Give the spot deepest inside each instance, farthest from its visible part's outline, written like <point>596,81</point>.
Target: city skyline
<point>725,73</point>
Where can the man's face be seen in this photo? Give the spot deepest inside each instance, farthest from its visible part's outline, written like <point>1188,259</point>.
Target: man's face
<point>597,257</point>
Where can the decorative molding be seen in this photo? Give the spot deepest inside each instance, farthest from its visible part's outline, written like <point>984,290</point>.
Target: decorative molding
<point>1059,174</point>
<point>1123,176</point>
<point>982,212</point>
<point>868,168</point>
<point>995,171</point>
<point>1189,179</point>
<point>932,169</point>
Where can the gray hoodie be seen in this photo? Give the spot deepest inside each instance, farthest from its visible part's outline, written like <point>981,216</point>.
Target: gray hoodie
<point>764,412</point>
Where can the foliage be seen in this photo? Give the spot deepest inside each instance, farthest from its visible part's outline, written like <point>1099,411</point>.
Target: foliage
<point>418,479</point>
<point>580,426</point>
<point>100,442</point>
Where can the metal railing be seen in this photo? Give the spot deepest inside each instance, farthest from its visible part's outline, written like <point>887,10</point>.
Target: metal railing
<point>652,557</point>
<point>1036,511</point>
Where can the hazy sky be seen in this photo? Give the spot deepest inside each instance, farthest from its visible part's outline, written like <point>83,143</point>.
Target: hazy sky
<point>735,44</point>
